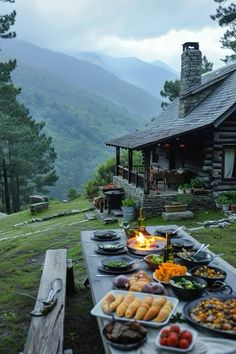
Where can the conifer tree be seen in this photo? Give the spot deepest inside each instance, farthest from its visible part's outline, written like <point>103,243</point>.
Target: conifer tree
<point>226,17</point>
<point>26,154</point>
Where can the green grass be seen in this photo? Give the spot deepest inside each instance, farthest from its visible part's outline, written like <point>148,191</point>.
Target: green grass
<point>22,254</point>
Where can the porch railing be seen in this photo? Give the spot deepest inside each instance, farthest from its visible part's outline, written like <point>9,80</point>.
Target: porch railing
<point>137,174</point>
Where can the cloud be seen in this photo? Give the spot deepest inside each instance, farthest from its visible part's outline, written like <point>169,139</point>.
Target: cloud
<point>149,29</point>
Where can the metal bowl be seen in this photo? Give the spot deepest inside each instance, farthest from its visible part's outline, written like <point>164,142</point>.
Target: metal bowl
<point>201,258</point>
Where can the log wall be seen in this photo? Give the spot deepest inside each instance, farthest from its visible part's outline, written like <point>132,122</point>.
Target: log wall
<point>225,134</point>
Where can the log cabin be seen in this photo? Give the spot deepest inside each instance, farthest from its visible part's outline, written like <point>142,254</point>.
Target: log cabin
<point>194,136</point>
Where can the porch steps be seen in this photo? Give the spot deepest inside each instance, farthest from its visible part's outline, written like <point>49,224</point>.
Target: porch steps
<point>117,213</point>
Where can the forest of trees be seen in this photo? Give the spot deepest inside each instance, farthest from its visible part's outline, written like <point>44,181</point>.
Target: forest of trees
<point>26,154</point>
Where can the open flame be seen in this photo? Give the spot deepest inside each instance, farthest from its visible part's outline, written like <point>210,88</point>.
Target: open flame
<point>145,242</point>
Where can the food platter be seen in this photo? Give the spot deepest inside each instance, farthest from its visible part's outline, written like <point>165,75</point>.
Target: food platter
<point>97,310</point>
<point>133,268</point>
<point>190,314</point>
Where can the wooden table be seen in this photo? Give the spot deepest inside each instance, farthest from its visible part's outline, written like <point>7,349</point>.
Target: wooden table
<point>101,285</point>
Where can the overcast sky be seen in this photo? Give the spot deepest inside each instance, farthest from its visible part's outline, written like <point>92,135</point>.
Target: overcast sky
<point>147,29</point>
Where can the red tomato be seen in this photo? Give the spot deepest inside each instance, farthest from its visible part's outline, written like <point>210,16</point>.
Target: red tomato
<point>174,328</point>
<point>183,343</point>
<point>163,341</point>
<point>186,335</point>
<point>165,332</point>
<point>173,340</point>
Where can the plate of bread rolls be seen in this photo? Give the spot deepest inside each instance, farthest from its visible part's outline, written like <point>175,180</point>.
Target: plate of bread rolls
<point>152,310</point>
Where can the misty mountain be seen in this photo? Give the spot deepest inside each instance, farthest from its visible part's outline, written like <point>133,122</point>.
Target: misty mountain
<point>148,76</point>
<point>87,76</point>
<point>78,122</point>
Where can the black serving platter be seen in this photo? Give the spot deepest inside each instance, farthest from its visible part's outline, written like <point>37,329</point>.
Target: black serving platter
<point>110,263</point>
<point>180,243</point>
<point>189,306</point>
<point>104,234</point>
<point>132,268</point>
<point>163,231</point>
<point>201,258</point>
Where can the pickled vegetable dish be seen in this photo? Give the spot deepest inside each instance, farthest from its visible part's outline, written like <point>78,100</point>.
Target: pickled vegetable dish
<point>208,272</point>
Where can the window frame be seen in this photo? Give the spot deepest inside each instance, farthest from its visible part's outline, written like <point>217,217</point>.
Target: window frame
<point>225,146</point>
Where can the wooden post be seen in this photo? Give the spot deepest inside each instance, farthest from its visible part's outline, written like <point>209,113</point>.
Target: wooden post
<point>147,171</point>
<point>117,160</point>
<point>130,164</point>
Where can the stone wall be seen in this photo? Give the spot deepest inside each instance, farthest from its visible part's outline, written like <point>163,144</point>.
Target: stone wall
<point>154,204</point>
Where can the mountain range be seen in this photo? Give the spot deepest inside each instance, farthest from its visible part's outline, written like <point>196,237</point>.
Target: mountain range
<point>83,104</point>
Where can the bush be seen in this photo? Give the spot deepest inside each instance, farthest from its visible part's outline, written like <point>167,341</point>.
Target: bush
<point>184,198</point>
<point>72,194</point>
<point>196,183</point>
<point>128,202</point>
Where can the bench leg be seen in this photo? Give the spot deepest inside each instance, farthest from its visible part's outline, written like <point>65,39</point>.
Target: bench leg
<point>70,283</point>
<point>86,282</point>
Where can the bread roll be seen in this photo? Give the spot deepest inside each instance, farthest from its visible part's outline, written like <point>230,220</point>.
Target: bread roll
<point>164,312</point>
<point>122,307</point>
<point>118,299</point>
<point>106,303</point>
<point>145,305</point>
<point>132,308</point>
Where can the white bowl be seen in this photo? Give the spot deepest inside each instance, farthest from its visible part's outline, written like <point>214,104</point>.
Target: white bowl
<point>176,349</point>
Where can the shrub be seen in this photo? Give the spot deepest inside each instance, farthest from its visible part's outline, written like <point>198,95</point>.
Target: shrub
<point>184,198</point>
<point>196,183</point>
<point>128,202</point>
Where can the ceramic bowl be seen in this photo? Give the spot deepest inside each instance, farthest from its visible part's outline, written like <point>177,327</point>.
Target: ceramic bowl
<point>184,293</point>
<point>203,270</point>
<point>149,260</point>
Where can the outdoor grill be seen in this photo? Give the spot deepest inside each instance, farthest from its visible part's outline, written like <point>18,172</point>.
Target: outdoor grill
<point>143,245</point>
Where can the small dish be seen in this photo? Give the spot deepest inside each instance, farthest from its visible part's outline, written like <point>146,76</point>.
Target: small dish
<point>115,333</point>
<point>177,349</point>
<point>111,247</point>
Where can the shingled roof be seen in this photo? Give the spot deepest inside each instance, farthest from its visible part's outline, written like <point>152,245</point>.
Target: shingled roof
<point>211,111</point>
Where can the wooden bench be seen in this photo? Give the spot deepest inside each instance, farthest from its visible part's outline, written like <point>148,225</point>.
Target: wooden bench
<point>45,334</point>
<point>38,206</point>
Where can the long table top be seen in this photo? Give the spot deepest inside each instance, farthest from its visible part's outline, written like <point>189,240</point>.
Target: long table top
<point>100,285</point>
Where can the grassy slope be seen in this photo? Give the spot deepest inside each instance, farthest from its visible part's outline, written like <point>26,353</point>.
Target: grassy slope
<point>21,256</point>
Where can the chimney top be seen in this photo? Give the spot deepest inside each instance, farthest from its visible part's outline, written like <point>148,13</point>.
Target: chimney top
<point>191,46</point>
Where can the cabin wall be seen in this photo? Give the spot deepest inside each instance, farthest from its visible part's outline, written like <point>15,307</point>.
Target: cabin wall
<point>196,155</point>
<point>225,134</point>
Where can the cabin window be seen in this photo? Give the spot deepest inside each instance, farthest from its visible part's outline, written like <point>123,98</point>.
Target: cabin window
<point>229,162</point>
<point>155,156</point>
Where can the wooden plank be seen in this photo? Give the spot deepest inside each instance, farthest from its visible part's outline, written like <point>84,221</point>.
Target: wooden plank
<point>46,332</point>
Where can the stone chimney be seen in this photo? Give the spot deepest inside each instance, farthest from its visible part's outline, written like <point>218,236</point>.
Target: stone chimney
<point>191,62</point>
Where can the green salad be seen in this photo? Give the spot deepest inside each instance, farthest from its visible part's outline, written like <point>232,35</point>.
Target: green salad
<point>155,258</point>
<point>187,284</point>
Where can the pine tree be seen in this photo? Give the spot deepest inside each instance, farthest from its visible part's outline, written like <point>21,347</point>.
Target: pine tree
<point>26,154</point>
<point>226,17</point>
